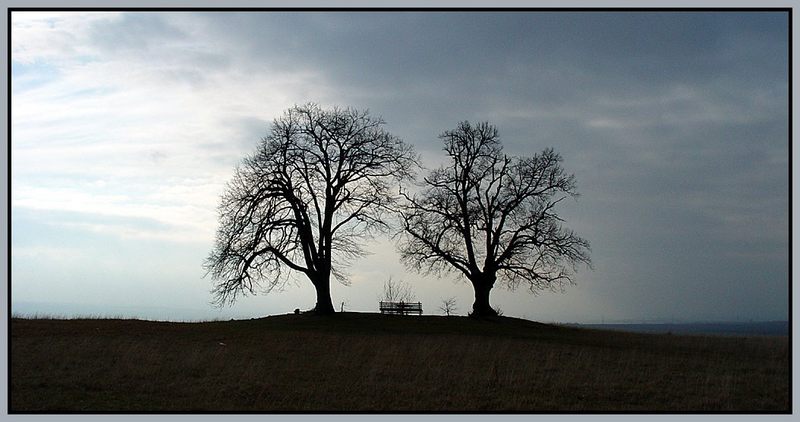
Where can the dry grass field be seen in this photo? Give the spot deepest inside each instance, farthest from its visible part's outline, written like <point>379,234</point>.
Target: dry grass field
<point>354,362</point>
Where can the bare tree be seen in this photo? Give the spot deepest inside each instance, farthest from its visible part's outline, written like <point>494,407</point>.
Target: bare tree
<point>448,306</point>
<point>314,189</point>
<point>397,291</point>
<point>492,217</point>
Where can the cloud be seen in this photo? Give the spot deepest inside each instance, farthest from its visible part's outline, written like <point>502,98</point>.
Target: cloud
<point>186,219</point>
<point>53,36</point>
<point>128,125</point>
<point>137,113</point>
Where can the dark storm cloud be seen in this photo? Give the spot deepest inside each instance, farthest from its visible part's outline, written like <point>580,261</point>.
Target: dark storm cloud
<point>674,123</point>
<point>627,52</point>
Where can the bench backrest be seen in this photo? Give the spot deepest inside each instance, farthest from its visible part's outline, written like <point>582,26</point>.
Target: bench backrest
<point>401,307</point>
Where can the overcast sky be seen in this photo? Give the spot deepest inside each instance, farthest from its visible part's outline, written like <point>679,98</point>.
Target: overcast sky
<point>126,127</point>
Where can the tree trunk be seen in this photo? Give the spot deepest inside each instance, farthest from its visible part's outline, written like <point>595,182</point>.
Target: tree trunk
<point>324,302</point>
<point>481,306</point>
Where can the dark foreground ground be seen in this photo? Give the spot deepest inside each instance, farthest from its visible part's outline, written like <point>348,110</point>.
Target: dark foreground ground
<point>369,362</point>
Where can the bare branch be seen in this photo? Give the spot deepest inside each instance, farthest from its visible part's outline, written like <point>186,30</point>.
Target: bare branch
<point>492,217</point>
<point>315,188</point>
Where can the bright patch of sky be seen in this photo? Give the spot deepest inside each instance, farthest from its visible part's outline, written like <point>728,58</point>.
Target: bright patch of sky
<point>126,127</point>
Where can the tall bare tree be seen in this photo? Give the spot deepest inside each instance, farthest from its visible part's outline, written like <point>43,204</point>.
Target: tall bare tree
<point>491,217</point>
<point>316,186</point>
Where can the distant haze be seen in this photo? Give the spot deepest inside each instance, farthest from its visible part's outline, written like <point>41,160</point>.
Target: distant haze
<point>126,127</point>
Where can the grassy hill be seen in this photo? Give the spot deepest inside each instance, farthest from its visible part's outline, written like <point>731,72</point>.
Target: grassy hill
<point>369,362</point>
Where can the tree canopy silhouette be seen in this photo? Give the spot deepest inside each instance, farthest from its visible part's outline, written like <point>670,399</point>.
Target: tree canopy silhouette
<point>491,217</point>
<point>316,186</point>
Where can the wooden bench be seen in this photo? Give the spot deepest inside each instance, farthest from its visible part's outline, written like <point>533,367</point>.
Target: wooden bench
<point>401,308</point>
